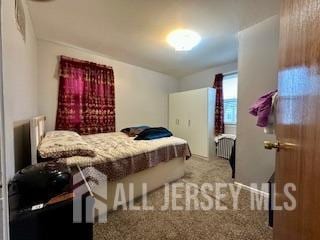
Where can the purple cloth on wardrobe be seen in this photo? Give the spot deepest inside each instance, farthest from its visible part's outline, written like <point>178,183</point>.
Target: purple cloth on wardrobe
<point>262,108</point>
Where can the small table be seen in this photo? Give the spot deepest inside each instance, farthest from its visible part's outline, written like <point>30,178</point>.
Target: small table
<point>55,220</point>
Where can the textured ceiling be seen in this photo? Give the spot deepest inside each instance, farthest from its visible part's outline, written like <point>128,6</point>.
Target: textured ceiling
<point>134,31</point>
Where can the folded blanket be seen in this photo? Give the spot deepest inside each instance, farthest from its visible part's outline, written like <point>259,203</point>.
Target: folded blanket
<point>153,133</point>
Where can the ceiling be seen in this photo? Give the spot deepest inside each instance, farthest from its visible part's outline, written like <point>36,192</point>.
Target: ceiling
<point>134,31</point>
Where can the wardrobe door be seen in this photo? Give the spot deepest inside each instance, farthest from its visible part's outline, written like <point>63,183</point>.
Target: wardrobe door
<point>177,115</point>
<point>197,122</point>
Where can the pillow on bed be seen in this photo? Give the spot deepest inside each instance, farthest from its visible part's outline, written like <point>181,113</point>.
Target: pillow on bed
<point>134,131</point>
<point>153,133</point>
<point>62,144</point>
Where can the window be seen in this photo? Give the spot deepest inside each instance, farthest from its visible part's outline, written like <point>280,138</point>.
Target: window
<point>230,95</point>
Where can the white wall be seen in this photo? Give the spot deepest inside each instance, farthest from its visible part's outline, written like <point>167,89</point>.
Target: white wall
<point>205,79</point>
<point>141,95</point>
<point>258,68</point>
<point>19,76</point>
<point>19,59</point>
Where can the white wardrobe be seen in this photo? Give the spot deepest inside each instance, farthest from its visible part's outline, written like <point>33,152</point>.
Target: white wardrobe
<point>191,117</point>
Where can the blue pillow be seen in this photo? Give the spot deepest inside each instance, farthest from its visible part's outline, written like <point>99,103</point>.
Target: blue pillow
<point>153,133</point>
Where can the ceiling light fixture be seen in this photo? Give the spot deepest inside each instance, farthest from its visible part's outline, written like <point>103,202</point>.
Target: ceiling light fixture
<point>183,39</point>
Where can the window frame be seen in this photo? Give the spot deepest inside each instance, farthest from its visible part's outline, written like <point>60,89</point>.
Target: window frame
<point>226,77</point>
<point>230,100</point>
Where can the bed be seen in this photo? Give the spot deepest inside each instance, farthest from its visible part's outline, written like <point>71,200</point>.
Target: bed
<point>124,160</point>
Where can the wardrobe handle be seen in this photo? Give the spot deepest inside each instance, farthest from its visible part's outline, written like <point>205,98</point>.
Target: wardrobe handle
<point>189,123</point>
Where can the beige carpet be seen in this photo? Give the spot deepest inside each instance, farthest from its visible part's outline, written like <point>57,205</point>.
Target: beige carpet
<point>242,224</point>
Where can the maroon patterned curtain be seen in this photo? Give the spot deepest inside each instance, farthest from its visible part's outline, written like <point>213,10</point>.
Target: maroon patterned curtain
<point>219,111</point>
<point>86,102</point>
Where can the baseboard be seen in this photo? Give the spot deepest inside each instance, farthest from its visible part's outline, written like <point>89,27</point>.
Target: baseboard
<point>246,187</point>
<point>200,157</point>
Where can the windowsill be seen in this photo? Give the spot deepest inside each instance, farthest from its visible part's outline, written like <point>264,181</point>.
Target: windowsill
<point>230,124</point>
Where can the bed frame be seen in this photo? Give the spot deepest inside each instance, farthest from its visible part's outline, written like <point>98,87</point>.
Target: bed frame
<point>155,177</point>
<point>37,132</point>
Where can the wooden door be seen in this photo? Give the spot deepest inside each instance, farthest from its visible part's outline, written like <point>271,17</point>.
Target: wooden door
<point>298,120</point>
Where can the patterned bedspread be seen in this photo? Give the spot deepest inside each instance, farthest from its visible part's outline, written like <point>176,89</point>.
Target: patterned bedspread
<point>119,155</point>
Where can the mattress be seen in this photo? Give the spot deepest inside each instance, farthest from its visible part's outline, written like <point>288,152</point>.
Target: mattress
<point>118,155</point>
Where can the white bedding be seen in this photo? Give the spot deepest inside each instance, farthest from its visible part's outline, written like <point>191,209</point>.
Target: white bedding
<point>115,146</point>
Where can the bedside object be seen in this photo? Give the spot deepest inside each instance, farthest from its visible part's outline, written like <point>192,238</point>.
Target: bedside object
<point>232,160</point>
<point>271,197</point>
<point>51,219</point>
<point>39,183</point>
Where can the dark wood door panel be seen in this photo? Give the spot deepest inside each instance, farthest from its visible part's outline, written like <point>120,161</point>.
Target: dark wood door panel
<point>298,119</point>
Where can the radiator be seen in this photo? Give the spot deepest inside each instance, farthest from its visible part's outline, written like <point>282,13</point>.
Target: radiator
<point>224,147</point>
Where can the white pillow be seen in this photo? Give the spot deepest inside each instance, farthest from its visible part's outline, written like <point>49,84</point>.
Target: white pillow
<point>62,144</point>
